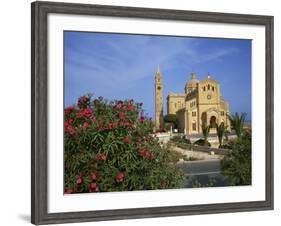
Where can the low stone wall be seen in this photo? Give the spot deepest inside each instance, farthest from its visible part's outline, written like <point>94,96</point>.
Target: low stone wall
<point>218,151</point>
<point>163,137</point>
<point>192,147</point>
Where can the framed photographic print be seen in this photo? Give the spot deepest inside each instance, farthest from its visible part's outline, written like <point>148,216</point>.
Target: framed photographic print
<point>140,112</point>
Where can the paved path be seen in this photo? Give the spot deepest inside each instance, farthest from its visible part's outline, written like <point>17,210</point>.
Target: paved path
<point>205,173</point>
<point>209,166</point>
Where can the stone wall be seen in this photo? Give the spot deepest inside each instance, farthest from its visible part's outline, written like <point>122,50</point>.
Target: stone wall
<point>192,147</point>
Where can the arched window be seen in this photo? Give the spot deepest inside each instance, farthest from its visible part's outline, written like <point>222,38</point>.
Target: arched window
<point>213,88</point>
<point>204,88</point>
<point>208,87</point>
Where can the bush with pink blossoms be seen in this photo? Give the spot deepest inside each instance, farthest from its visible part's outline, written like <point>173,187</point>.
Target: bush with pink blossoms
<point>108,146</point>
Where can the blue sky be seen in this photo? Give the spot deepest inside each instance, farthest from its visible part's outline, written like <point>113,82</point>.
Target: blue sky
<point>121,66</point>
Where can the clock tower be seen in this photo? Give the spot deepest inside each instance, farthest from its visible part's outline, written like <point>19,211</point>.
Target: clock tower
<point>158,100</point>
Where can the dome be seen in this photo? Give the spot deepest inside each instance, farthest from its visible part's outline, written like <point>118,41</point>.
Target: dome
<point>193,80</point>
<point>191,84</point>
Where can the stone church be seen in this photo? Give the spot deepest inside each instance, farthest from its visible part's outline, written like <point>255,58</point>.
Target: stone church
<point>202,103</point>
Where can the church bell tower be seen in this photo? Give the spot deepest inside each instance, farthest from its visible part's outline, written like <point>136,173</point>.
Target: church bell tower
<point>158,100</point>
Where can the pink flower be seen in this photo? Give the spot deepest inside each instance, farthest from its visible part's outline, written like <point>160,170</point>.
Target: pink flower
<point>85,112</point>
<point>93,176</point>
<point>93,186</point>
<point>141,119</point>
<point>131,107</point>
<point>70,130</point>
<point>112,125</point>
<point>127,124</point>
<point>120,177</point>
<point>69,191</point>
<point>119,105</point>
<point>79,181</point>
<point>100,157</point>
<point>145,153</point>
<point>85,125</point>
<point>122,115</point>
<point>69,110</point>
<point>141,152</point>
<point>127,140</point>
<point>68,122</point>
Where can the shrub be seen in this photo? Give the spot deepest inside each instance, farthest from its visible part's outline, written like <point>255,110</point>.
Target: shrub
<point>184,146</point>
<point>227,145</point>
<point>108,147</point>
<point>201,142</point>
<point>180,140</point>
<point>168,125</point>
<point>175,156</point>
<point>237,162</point>
<point>211,183</point>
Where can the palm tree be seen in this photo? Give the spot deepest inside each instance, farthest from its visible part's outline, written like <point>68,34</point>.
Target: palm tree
<point>220,132</point>
<point>237,122</point>
<point>205,131</point>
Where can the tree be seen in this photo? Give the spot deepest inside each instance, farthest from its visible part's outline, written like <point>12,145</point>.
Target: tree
<point>237,122</point>
<point>220,132</point>
<point>171,118</point>
<point>205,131</point>
<point>237,162</point>
<point>109,146</point>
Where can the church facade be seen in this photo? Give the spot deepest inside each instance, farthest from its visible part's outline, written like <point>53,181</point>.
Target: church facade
<point>201,103</point>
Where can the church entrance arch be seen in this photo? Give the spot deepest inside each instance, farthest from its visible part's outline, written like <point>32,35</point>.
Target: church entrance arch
<point>213,122</point>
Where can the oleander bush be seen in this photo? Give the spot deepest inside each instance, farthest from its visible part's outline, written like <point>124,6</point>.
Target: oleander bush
<point>108,146</point>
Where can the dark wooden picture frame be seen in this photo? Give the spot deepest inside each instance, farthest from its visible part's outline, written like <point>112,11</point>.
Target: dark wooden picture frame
<point>39,194</point>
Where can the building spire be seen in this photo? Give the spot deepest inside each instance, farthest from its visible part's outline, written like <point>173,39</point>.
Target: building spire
<point>193,75</point>
<point>158,69</point>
